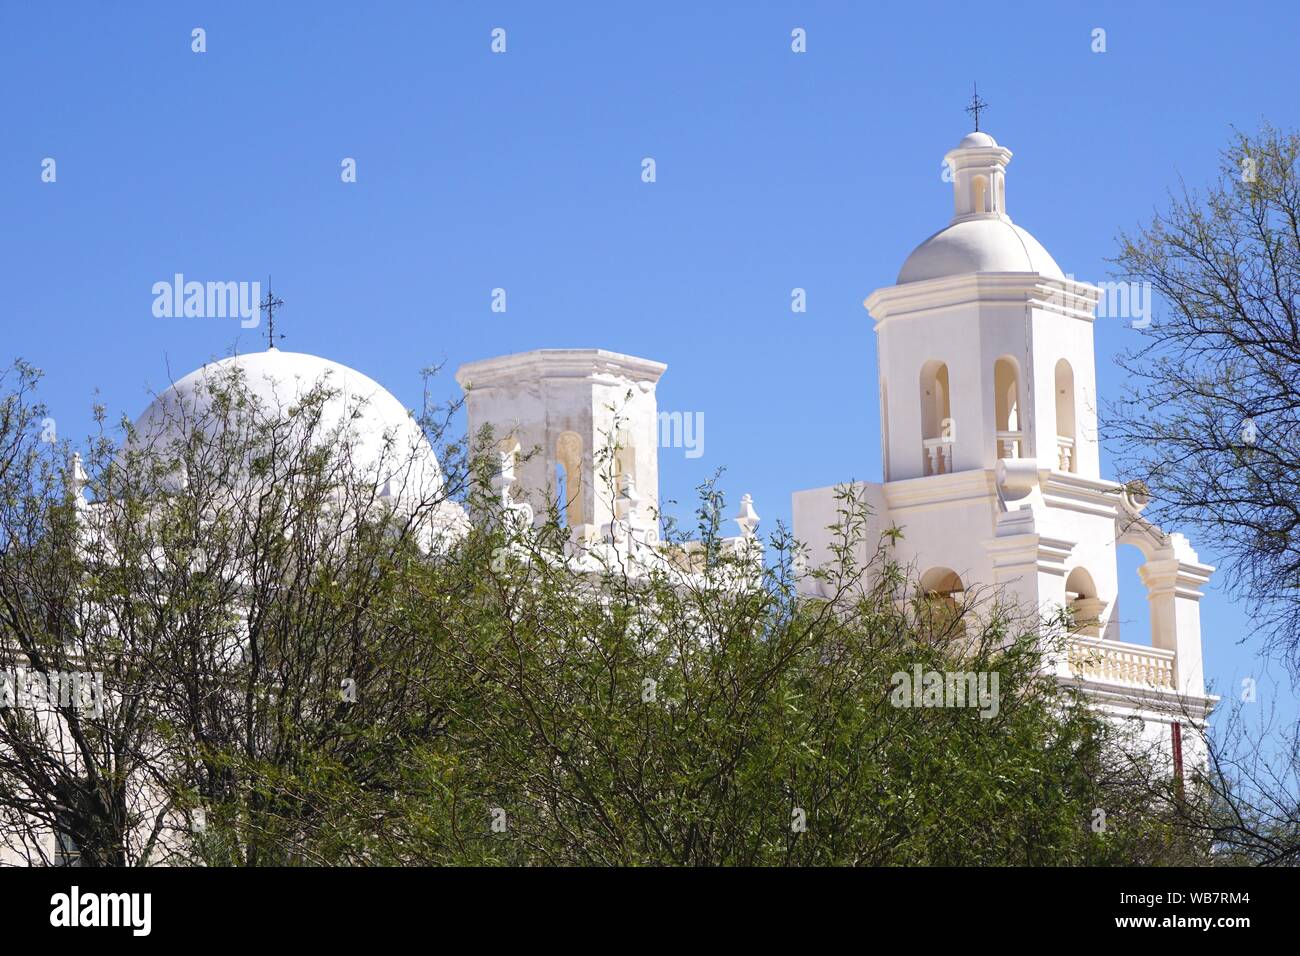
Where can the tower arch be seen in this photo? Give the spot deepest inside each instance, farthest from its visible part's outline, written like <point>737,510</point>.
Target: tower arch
<point>1008,432</point>
<point>1067,458</point>
<point>937,427</point>
<point>570,464</point>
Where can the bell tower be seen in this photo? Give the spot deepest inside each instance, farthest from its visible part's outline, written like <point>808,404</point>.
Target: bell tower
<point>583,422</point>
<point>985,347</point>
<point>988,401</point>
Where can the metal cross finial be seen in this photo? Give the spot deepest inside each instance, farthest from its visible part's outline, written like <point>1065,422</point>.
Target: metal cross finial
<point>269,305</point>
<point>976,104</point>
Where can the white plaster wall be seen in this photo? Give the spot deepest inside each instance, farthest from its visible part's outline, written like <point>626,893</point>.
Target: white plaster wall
<point>952,534</point>
<point>816,513</point>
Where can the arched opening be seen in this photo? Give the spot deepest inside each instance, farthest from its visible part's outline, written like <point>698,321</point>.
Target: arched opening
<point>937,429</point>
<point>624,465</point>
<point>941,582</point>
<point>1001,199</point>
<point>1009,439</point>
<point>1085,606</point>
<point>942,597</point>
<point>515,451</point>
<point>1130,614</point>
<point>979,188</point>
<point>1142,603</point>
<point>1067,459</point>
<point>568,478</point>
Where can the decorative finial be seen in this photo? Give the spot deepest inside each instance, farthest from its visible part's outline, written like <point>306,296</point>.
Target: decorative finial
<point>77,479</point>
<point>976,104</point>
<point>269,305</point>
<point>747,517</point>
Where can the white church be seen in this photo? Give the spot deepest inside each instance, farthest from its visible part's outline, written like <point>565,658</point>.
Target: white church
<point>989,448</point>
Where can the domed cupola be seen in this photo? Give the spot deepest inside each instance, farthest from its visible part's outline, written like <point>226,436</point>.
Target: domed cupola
<point>981,236</point>
<point>978,168</point>
<point>383,438</point>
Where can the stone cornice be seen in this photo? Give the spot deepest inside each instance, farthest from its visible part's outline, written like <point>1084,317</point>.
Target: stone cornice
<point>1064,297</point>
<point>1070,492</point>
<point>1015,551</point>
<point>957,487</point>
<point>1169,704</point>
<point>541,364</point>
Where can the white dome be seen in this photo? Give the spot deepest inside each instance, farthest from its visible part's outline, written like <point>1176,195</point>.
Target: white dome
<point>385,438</point>
<point>976,140</point>
<point>984,244</point>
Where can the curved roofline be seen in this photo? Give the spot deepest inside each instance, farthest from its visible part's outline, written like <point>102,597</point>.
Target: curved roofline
<point>978,244</point>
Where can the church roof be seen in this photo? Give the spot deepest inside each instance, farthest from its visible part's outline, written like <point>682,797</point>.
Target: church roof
<point>384,435</point>
<point>976,139</point>
<point>978,245</point>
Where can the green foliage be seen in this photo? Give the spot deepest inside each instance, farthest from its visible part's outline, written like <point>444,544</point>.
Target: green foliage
<point>297,678</point>
<point>675,719</point>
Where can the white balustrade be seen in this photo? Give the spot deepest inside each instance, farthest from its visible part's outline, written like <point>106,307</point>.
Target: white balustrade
<point>938,455</point>
<point>1065,453</point>
<point>1009,444</point>
<point>1114,662</point>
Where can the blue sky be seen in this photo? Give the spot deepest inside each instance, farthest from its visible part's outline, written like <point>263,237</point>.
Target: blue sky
<point>522,171</point>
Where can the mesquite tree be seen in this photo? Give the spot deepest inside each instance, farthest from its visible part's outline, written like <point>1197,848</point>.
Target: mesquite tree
<point>1212,420</point>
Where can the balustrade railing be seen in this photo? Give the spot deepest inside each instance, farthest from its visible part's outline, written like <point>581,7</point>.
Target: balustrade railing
<point>1064,453</point>
<point>1115,662</point>
<point>1009,444</point>
<point>938,455</point>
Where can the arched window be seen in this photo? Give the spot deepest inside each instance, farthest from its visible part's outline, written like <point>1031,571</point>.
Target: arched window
<point>623,462</point>
<point>941,582</point>
<point>1067,459</point>
<point>510,460</point>
<point>979,188</point>
<point>1009,439</point>
<point>942,597</point>
<point>568,479</point>
<point>937,431</point>
<point>1079,584</point>
<point>1085,606</point>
